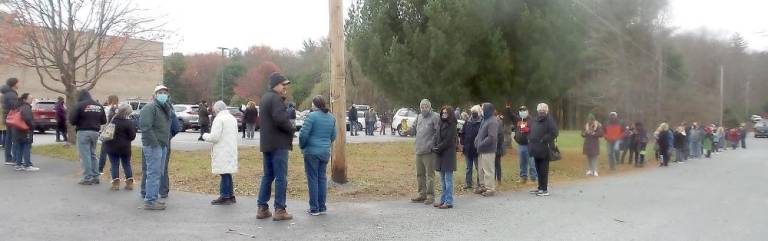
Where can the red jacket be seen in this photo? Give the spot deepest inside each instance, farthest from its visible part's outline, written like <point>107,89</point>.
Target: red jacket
<point>614,132</point>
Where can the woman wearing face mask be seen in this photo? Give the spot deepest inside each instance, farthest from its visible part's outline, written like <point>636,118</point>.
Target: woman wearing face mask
<point>315,139</point>
<point>542,137</point>
<point>445,148</point>
<point>224,153</point>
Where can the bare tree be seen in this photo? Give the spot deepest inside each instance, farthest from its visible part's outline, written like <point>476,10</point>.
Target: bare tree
<point>71,44</point>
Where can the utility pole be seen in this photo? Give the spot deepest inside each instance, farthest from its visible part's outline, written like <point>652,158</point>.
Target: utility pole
<point>338,90</point>
<point>722,97</point>
<point>223,65</point>
<point>746,97</point>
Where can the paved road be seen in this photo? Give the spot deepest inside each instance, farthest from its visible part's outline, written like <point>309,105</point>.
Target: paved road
<point>722,198</point>
<point>188,140</point>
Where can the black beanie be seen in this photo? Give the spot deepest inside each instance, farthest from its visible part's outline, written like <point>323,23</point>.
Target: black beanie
<point>275,79</point>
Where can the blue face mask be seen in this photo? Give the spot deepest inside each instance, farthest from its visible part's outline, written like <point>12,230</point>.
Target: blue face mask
<point>162,98</point>
<point>523,114</point>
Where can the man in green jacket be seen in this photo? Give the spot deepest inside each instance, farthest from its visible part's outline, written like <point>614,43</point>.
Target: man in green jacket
<point>155,125</point>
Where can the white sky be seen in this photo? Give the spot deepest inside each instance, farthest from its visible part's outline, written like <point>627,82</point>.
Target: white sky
<point>201,26</point>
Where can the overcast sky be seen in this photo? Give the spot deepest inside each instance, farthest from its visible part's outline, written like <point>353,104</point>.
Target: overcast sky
<point>201,26</point>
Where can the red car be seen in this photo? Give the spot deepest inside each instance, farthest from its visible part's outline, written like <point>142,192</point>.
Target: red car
<point>44,115</point>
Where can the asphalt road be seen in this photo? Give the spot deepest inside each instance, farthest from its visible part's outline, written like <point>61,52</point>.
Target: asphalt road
<point>722,198</point>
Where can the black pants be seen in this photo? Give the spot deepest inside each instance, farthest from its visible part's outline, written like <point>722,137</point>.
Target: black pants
<point>542,168</point>
<point>61,130</point>
<point>498,167</point>
<point>664,152</point>
<point>203,129</point>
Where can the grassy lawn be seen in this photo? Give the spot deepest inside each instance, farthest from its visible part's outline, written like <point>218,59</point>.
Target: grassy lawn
<point>376,171</point>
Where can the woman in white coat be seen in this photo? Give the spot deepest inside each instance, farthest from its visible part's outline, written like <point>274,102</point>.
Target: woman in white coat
<point>223,135</point>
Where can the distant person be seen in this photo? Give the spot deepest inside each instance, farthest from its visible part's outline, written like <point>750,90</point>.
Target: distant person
<point>626,140</point>
<point>695,137</point>
<point>425,129</point>
<point>23,138</point>
<point>468,135</point>
<point>708,142</point>
<point>592,133</point>
<point>61,120</point>
<point>614,131</point>
<point>276,137</point>
<point>370,122</point>
<point>88,117</point>
<point>292,113</point>
<point>640,142</point>
<point>743,135</point>
<point>224,152</point>
<point>110,108</point>
<point>680,140</point>
<point>445,149</point>
<point>10,100</point>
<point>352,116</point>
<point>119,148</point>
<point>720,139</point>
<point>663,143</point>
<point>385,120</point>
<point>543,134</point>
<point>734,138</point>
<point>155,125</point>
<point>315,139</point>
<point>203,119</point>
<point>486,143</point>
<point>250,119</point>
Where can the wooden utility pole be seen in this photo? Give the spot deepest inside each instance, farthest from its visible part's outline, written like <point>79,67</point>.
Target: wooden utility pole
<point>338,91</point>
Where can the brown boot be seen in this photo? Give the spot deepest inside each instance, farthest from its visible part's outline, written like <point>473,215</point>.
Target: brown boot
<point>263,213</point>
<point>429,201</point>
<point>129,184</point>
<point>479,190</point>
<point>418,199</point>
<point>281,215</point>
<point>115,184</point>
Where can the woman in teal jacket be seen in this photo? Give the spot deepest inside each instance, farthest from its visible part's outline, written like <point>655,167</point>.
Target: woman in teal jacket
<point>315,139</point>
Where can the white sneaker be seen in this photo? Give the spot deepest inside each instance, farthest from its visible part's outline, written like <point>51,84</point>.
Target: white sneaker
<point>31,169</point>
<point>589,173</point>
<point>595,174</point>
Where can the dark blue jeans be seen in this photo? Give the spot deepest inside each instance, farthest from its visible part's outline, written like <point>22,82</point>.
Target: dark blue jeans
<point>226,188</point>
<point>275,170</point>
<point>115,161</point>
<point>22,153</point>
<point>471,161</point>
<point>8,145</point>
<point>315,166</point>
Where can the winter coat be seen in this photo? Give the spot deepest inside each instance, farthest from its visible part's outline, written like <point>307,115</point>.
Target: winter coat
<point>680,140</point>
<point>542,136</point>
<point>352,115</point>
<point>733,135</point>
<point>251,115</point>
<point>663,141</point>
<point>26,115</point>
<point>425,128</point>
<point>61,112</point>
<point>501,149</point>
<point>202,114</point>
<point>276,129</point>
<point>155,123</point>
<point>317,134</point>
<point>224,138</point>
<point>522,129</point>
<point>370,116</point>
<point>469,133</point>
<point>488,136</point>
<point>445,145</point>
<point>696,135</point>
<point>88,115</point>
<point>708,141</point>
<point>614,131</point>
<point>125,133</point>
<point>592,141</point>
<point>10,99</point>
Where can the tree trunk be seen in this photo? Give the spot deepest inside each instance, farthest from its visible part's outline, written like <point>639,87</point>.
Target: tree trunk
<point>71,101</point>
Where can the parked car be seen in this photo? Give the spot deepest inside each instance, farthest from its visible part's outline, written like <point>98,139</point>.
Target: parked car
<point>44,115</point>
<point>235,111</point>
<point>300,116</point>
<point>756,118</point>
<point>761,129</point>
<point>403,114</point>
<point>136,105</point>
<point>187,115</point>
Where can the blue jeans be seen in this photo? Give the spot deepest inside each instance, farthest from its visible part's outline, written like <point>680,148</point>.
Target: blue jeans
<point>21,152</point>
<point>471,161</point>
<point>86,147</point>
<point>446,180</point>
<point>8,145</point>
<point>315,166</point>
<point>115,161</point>
<point>613,153</point>
<point>526,163</point>
<point>152,167</point>
<point>275,170</point>
<point>226,188</point>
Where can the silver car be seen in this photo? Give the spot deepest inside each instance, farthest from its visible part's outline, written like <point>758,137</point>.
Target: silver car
<point>187,115</point>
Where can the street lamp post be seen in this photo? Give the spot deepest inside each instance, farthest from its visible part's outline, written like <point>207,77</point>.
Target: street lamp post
<point>223,65</point>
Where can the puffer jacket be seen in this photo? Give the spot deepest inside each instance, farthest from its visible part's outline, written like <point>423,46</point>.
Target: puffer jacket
<point>224,138</point>
<point>542,136</point>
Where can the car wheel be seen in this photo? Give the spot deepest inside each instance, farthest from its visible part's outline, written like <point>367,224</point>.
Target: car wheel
<point>400,131</point>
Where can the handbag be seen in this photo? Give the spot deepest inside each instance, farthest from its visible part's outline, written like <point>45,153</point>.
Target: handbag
<point>107,132</point>
<point>14,120</point>
<point>554,152</point>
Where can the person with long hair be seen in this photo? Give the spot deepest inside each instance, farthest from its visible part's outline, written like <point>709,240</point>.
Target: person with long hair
<point>22,142</point>
<point>663,141</point>
<point>592,133</point>
<point>110,108</point>
<point>445,148</point>
<point>119,148</point>
<point>250,119</point>
<point>315,139</point>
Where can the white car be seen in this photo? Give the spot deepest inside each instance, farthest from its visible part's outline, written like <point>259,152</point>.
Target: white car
<point>187,114</point>
<point>756,118</point>
<point>403,115</point>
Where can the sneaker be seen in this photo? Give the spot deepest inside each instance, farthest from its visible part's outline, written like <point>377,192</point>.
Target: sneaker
<point>445,206</point>
<point>10,163</point>
<point>543,194</point>
<point>115,184</point>
<point>222,201</point>
<point>128,184</point>
<point>19,168</point>
<point>595,174</point>
<point>523,180</point>
<point>479,190</point>
<point>589,173</point>
<point>156,206</point>
<point>31,169</point>
<point>323,212</point>
<point>85,182</point>
<point>95,181</point>
<point>534,192</point>
<point>313,213</point>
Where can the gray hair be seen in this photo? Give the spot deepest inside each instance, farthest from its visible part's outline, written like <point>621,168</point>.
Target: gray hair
<point>123,110</point>
<point>219,106</point>
<point>542,107</point>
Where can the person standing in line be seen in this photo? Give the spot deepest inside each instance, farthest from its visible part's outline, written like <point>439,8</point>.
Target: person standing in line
<point>88,117</point>
<point>251,119</point>
<point>119,148</point>
<point>276,138</point>
<point>695,138</point>
<point>370,121</point>
<point>61,120</point>
<point>468,135</point>
<point>315,139</point>
<point>501,148</point>
<point>708,142</point>
<point>385,120</point>
<point>543,134</point>
<point>640,143</point>
<point>224,152</point>
<point>155,124</point>
<point>352,116</point>
<point>743,135</point>
<point>592,133</point>
<point>486,143</point>
<point>663,141</point>
<point>203,119</point>
<point>614,131</point>
<point>425,128</point>
<point>10,101</point>
<point>23,138</point>
<point>680,141</point>
<point>109,109</point>
<point>445,149</point>
<point>521,131</point>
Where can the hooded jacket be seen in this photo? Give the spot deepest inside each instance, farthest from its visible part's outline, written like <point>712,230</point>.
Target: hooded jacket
<point>10,99</point>
<point>487,137</point>
<point>470,129</point>
<point>87,115</point>
<point>425,128</point>
<point>445,144</point>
